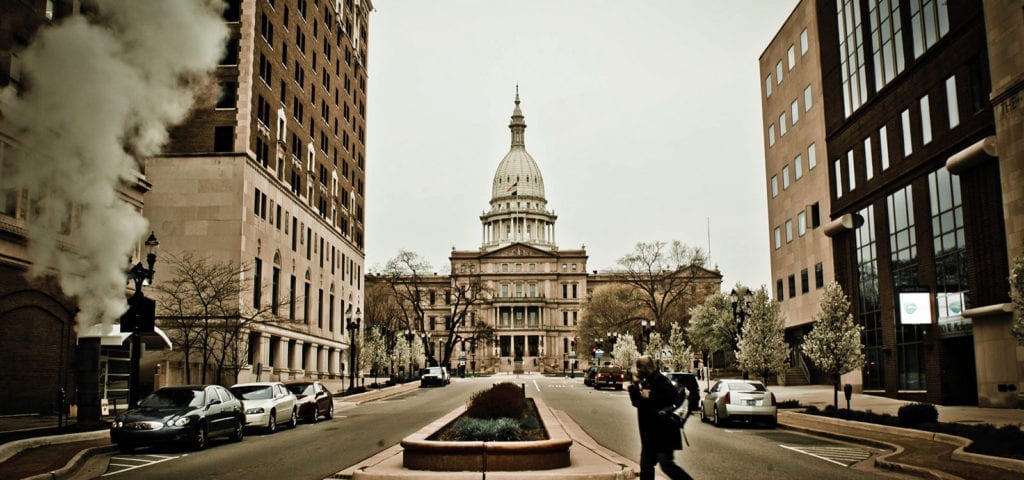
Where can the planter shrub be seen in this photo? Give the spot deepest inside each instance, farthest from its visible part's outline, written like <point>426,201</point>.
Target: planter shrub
<point>917,413</point>
<point>487,430</point>
<point>504,400</point>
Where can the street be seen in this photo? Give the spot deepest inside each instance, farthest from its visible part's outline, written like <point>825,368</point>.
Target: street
<point>315,451</point>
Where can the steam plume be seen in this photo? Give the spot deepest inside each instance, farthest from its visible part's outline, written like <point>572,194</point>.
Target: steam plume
<point>101,91</point>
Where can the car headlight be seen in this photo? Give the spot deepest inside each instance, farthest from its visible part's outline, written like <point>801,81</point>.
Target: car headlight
<point>177,422</point>
<point>253,410</point>
<point>117,424</point>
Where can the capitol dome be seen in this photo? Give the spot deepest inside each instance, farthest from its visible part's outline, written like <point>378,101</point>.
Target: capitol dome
<point>518,174</point>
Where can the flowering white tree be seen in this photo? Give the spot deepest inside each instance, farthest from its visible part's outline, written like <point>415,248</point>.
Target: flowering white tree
<point>1017,294</point>
<point>625,352</point>
<point>834,342</point>
<point>654,345</point>
<point>762,347</point>
<point>682,357</point>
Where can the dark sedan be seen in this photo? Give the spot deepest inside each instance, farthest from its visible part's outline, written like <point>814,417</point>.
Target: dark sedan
<point>188,415</point>
<point>312,399</point>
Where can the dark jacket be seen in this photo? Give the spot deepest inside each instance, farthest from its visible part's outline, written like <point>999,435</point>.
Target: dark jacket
<point>656,431</point>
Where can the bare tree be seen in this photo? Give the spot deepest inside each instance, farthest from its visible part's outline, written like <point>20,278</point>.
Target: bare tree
<point>403,276</point>
<point>466,291</point>
<point>201,308</point>
<point>610,309</point>
<point>664,277</point>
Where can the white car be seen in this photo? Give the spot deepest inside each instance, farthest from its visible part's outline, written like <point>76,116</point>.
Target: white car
<point>267,405</point>
<point>737,398</point>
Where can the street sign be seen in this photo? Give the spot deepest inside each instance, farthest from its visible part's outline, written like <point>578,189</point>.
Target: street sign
<point>141,315</point>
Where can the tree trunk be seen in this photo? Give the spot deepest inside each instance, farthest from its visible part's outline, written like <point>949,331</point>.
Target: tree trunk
<point>835,393</point>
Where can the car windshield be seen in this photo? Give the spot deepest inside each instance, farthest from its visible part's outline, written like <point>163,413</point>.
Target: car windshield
<point>253,392</point>
<point>434,371</point>
<point>174,397</point>
<point>301,388</point>
<point>611,370</point>
<point>746,387</point>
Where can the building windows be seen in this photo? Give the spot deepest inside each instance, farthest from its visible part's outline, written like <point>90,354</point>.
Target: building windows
<point>230,55</point>
<point>791,56</point>
<point>803,42</point>
<point>869,313</point>
<point>801,223</point>
<point>291,298</point>
<point>808,101</point>
<point>819,275</point>
<point>257,283</point>
<point>782,124</point>
<point>265,69</point>
<point>771,135</point>
<point>815,215</point>
<point>883,147</point>
<point>926,121</point>
<point>798,166</point>
<point>533,267</point>
<point>850,171</point>
<point>869,167</point>
<point>504,268</point>
<point>804,281</point>
<point>262,110</point>
<point>794,111</point>
<point>504,290</point>
<point>851,48</point>
<point>812,159</point>
<point>929,21</point>
<point>778,73</point>
<point>565,290</point>
<point>837,167</point>
<point>778,238</point>
<point>775,186</point>
<point>780,294</point>
<point>792,286</point>
<point>768,86</point>
<point>951,102</point>
<point>886,40</point>
<point>789,231</point>
<point>223,138</point>
<point>228,95</point>
<point>785,177</point>
<point>267,29</point>
<point>908,146</point>
<point>275,290</point>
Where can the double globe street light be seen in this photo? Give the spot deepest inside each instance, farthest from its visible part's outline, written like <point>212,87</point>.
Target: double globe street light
<point>352,325</point>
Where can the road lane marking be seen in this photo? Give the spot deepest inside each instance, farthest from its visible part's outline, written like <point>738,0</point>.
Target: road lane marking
<point>127,467</point>
<point>536,386</point>
<point>843,456</point>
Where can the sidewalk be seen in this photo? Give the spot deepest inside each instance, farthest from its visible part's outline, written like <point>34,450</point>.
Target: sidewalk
<point>925,453</point>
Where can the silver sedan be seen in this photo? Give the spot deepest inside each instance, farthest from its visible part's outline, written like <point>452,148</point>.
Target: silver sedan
<point>737,398</point>
<point>267,405</point>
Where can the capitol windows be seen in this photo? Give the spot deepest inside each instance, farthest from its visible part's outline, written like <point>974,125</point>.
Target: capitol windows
<point>462,269</point>
<point>564,267</point>
<point>504,290</point>
<point>504,268</point>
<point>533,290</point>
<point>574,267</point>
<point>533,267</point>
<point>519,267</point>
<point>519,289</point>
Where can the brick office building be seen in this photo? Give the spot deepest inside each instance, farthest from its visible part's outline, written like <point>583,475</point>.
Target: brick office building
<point>918,220</point>
<point>269,172</point>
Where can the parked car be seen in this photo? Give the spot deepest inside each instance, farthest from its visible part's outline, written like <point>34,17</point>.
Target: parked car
<point>434,376</point>
<point>267,405</point>
<point>588,377</point>
<point>189,415</point>
<point>686,387</point>
<point>730,399</point>
<point>609,376</point>
<point>312,399</point>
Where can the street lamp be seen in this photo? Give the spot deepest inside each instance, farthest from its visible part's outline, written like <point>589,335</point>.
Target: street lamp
<point>409,335</point>
<point>740,298</point>
<point>646,327</point>
<point>140,316</point>
<point>427,347</point>
<point>353,327</point>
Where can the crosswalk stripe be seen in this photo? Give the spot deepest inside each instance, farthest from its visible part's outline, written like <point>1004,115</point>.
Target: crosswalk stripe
<point>845,456</point>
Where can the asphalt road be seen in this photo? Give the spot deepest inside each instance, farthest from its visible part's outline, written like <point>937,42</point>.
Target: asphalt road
<point>315,451</point>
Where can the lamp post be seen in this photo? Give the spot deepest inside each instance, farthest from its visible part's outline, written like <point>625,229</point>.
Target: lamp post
<point>646,327</point>
<point>353,327</point>
<point>740,298</point>
<point>140,316</point>
<point>427,347</point>
<point>409,335</point>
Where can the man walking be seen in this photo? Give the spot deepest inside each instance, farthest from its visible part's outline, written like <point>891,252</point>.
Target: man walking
<point>654,398</point>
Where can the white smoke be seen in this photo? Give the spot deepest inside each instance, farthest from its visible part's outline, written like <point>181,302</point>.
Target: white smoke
<point>100,92</point>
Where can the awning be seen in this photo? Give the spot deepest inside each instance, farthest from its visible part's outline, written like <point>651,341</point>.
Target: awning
<point>110,335</point>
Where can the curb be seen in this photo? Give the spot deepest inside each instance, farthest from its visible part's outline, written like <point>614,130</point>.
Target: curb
<point>369,396</point>
<point>959,454</point>
<point>76,462</point>
<point>11,449</point>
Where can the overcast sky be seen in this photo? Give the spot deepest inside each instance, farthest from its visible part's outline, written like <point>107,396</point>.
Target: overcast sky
<point>644,117</point>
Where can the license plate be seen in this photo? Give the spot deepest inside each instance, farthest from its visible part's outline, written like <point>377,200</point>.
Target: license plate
<point>751,402</point>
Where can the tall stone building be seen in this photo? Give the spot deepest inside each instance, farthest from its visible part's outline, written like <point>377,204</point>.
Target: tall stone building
<point>269,172</point>
<point>924,210</point>
<point>536,289</point>
<point>797,190</point>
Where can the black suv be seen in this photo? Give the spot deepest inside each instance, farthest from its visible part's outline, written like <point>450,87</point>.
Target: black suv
<point>588,377</point>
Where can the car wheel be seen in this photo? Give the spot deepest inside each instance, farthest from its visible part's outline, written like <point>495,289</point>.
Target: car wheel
<point>199,440</point>
<point>717,420</point>
<point>272,422</point>
<point>294,421</point>
<point>703,416</point>
<point>330,411</point>
<point>316,414</point>
<point>125,447</point>
<point>239,433</point>
<point>772,422</point>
